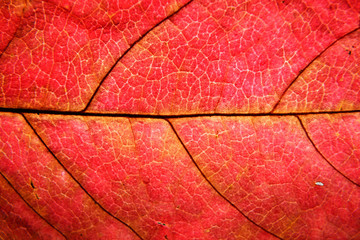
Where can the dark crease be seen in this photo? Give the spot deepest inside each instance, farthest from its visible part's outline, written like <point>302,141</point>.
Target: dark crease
<point>302,70</point>
<point>318,151</point>
<point>7,45</point>
<point>68,172</point>
<point>215,189</point>
<point>128,50</point>
<point>31,206</point>
<point>157,116</point>
<point>13,37</point>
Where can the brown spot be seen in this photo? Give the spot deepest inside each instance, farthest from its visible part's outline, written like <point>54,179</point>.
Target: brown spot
<point>146,180</point>
<point>332,7</point>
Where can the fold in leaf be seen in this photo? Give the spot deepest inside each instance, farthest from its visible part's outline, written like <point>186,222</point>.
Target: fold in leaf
<point>10,17</point>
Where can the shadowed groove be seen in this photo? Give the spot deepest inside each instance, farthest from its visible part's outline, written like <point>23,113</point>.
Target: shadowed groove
<point>212,186</point>
<point>13,188</point>
<point>157,116</point>
<point>27,3</point>
<point>7,46</point>
<point>304,69</point>
<point>318,151</point>
<point>128,50</point>
<point>67,171</point>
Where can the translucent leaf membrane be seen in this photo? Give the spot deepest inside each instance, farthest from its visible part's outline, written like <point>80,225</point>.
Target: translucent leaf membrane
<point>270,170</point>
<point>139,171</point>
<point>60,50</point>
<point>234,57</point>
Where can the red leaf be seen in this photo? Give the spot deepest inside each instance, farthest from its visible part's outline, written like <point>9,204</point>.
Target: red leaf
<point>174,119</point>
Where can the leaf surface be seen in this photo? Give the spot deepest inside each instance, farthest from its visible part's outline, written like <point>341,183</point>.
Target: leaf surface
<point>225,58</point>
<point>268,168</point>
<point>175,119</point>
